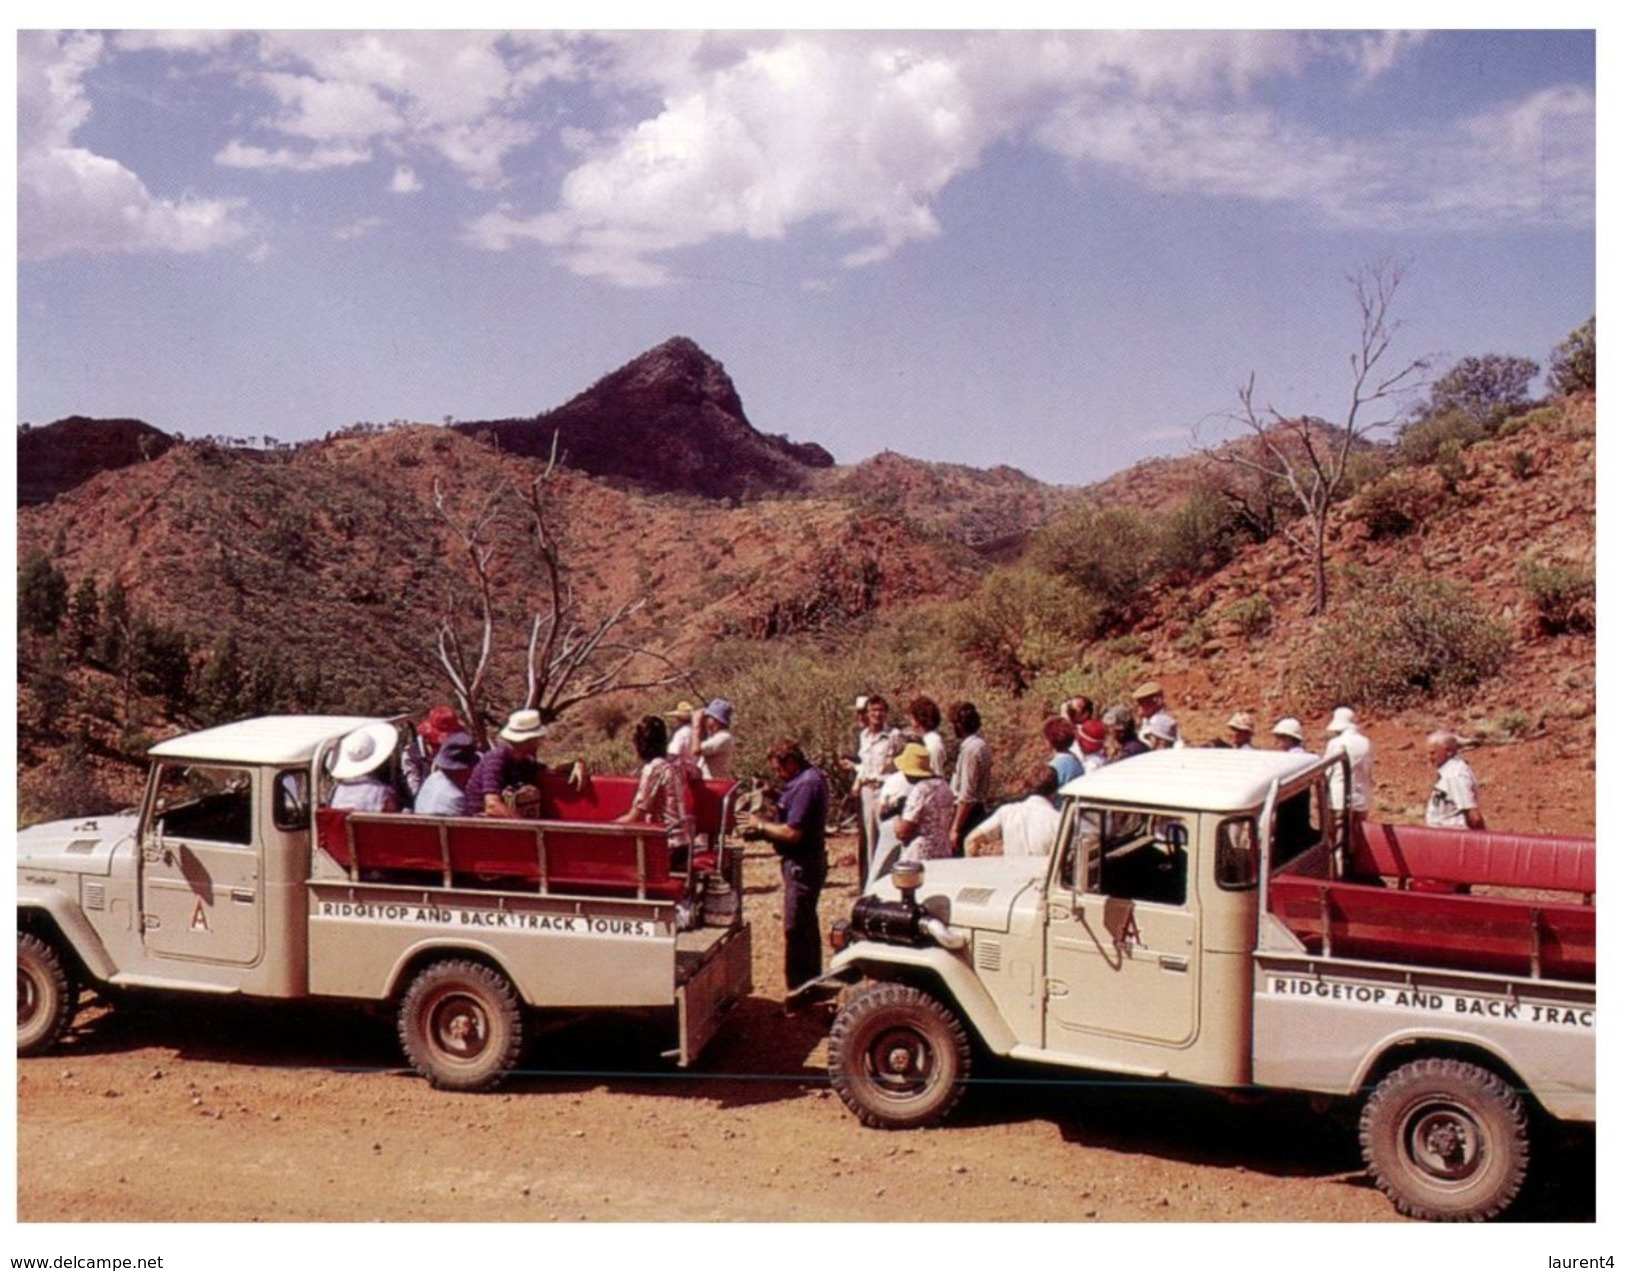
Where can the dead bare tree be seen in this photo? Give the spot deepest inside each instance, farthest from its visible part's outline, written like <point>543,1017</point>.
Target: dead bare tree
<point>464,666</point>
<point>1309,457</point>
<point>570,656</point>
<point>571,659</point>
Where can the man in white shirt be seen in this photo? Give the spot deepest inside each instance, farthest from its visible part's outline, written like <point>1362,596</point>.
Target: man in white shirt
<point>878,744</point>
<point>1347,739</point>
<point>1454,801</point>
<point>1026,828</point>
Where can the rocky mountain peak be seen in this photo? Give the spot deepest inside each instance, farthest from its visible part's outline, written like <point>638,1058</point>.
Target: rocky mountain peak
<point>669,420</point>
<point>678,372</point>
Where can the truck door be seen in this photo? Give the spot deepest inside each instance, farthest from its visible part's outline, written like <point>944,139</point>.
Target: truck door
<point>201,892</point>
<point>1123,962</point>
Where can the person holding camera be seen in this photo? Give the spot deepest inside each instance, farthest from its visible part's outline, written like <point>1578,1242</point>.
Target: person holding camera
<point>798,838</point>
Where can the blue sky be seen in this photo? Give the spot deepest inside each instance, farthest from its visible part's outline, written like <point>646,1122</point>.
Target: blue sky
<point>1059,251</point>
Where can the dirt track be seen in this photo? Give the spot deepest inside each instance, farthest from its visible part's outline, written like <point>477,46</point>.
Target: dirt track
<point>306,1115</point>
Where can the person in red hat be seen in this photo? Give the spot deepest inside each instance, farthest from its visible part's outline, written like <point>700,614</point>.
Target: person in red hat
<point>1092,744</point>
<point>417,757</point>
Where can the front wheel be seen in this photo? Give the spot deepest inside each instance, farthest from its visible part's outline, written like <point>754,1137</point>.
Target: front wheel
<point>898,1057</point>
<point>46,995</point>
<point>1446,1140</point>
<point>460,1025</point>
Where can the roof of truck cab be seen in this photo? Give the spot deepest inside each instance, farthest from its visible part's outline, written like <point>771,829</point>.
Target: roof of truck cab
<point>1199,778</point>
<point>271,739</point>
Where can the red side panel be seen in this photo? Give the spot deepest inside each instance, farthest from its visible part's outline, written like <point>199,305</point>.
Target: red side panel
<point>1476,933</point>
<point>331,836</point>
<point>392,842</point>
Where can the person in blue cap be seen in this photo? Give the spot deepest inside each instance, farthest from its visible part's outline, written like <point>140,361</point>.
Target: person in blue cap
<point>716,745</point>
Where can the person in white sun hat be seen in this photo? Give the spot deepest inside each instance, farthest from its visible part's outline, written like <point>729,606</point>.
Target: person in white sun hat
<point>357,767</point>
<point>1288,734</point>
<point>1347,739</point>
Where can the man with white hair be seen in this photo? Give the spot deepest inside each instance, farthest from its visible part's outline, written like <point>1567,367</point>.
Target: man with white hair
<point>1454,801</point>
<point>1347,739</point>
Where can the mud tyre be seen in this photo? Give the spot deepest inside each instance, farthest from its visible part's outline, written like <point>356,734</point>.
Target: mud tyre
<point>1446,1141</point>
<point>898,1058</point>
<point>47,996</point>
<point>460,1026</point>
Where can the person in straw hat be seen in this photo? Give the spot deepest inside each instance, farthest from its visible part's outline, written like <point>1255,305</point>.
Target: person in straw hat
<point>357,770</point>
<point>509,765</point>
<point>1240,727</point>
<point>927,817</point>
<point>1156,723</point>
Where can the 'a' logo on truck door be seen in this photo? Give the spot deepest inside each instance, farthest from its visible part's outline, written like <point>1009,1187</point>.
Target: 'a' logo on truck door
<point>1119,917</point>
<point>200,918</point>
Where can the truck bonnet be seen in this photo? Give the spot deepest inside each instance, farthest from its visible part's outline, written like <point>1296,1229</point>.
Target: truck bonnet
<point>84,845</point>
<point>978,893</point>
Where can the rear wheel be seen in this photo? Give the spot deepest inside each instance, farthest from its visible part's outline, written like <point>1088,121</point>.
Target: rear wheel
<point>46,995</point>
<point>1446,1140</point>
<point>460,1025</point>
<point>898,1057</point>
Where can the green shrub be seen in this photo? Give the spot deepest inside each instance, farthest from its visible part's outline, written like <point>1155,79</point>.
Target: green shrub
<point>1450,465</point>
<point>1488,388</point>
<point>1574,362</point>
<point>1564,596</point>
<point>1124,646</point>
<point>1108,554</point>
<point>1421,443</point>
<point>1401,642</point>
<point>1104,681</point>
<point>1523,465</point>
<point>1393,506</point>
<point>1516,724</point>
<point>1200,536</point>
<point>69,787</point>
<point>1021,623</point>
<point>42,595</point>
<point>1253,614</point>
<point>1193,637</point>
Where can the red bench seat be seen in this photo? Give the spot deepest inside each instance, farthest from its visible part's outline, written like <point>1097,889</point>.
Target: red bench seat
<point>1489,858</point>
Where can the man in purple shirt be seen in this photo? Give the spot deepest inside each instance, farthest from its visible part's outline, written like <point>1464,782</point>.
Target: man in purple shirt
<point>798,838</point>
<point>511,763</point>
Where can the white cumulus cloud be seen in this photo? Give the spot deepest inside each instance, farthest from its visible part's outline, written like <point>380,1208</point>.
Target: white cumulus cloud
<point>755,133</point>
<point>238,154</point>
<point>72,199</point>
